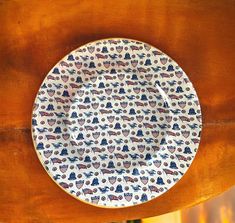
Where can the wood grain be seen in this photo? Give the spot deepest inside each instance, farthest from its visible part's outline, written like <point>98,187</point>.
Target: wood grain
<point>199,35</point>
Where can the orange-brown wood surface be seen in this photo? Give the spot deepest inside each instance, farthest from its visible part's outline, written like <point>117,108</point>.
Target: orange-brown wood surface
<point>34,35</point>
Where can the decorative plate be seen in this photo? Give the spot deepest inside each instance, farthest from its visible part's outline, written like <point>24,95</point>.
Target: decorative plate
<point>116,123</point>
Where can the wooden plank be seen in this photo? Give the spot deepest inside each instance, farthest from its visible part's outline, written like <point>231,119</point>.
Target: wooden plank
<point>36,34</point>
<point>29,195</point>
<point>199,35</point>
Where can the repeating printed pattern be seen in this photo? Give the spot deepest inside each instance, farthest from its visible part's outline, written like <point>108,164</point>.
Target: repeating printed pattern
<point>116,122</point>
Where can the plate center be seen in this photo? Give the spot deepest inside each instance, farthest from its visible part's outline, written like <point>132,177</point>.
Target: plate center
<point>118,121</point>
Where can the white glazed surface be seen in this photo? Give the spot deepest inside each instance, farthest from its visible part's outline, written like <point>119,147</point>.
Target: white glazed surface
<point>116,123</point>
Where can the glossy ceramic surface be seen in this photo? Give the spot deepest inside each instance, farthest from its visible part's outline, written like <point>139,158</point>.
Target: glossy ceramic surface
<point>116,123</point>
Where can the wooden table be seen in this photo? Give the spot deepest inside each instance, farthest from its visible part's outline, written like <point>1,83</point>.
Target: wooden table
<point>199,35</point>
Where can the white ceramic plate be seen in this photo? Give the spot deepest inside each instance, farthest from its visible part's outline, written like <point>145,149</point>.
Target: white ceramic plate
<point>116,123</point>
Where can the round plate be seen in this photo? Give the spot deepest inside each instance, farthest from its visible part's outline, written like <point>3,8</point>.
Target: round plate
<point>116,123</point>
